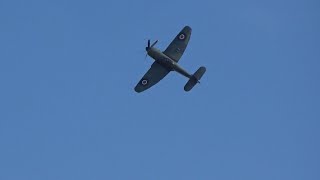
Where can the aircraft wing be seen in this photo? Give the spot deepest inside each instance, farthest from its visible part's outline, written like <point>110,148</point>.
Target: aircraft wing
<point>179,44</point>
<point>152,77</point>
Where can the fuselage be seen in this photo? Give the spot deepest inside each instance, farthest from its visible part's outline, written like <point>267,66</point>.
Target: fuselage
<point>161,58</point>
<point>166,61</point>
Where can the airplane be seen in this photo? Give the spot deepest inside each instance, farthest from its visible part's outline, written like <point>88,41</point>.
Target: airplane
<point>167,61</point>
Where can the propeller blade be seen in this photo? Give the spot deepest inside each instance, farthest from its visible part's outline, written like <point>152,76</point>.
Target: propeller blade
<point>154,43</point>
<point>149,43</point>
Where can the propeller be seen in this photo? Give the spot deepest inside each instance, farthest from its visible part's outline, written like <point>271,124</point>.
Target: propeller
<point>147,48</point>
<point>146,56</point>
<point>154,43</point>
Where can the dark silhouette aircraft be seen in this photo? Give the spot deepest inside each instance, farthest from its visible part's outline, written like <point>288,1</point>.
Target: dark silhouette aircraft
<point>167,61</point>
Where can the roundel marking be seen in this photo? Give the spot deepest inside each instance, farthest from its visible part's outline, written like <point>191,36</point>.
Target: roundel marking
<point>182,36</point>
<point>144,82</point>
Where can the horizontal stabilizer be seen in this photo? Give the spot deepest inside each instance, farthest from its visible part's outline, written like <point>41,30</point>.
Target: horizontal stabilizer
<point>195,78</point>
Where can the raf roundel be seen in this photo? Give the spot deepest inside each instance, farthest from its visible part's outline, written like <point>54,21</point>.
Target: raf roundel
<point>182,36</point>
<point>144,82</point>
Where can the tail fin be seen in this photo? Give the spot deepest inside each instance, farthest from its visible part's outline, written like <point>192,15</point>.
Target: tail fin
<point>195,78</point>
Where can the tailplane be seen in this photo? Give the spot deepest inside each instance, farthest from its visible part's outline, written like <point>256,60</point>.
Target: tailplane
<point>195,78</point>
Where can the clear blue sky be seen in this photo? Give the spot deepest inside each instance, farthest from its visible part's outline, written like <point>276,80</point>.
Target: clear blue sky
<point>68,109</point>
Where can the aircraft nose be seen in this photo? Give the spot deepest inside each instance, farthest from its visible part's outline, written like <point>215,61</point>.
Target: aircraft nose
<point>147,49</point>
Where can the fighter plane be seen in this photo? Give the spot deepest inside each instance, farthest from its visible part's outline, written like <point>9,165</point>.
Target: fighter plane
<point>167,61</point>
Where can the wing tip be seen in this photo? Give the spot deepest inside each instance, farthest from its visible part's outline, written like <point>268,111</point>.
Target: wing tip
<point>137,89</point>
<point>187,28</point>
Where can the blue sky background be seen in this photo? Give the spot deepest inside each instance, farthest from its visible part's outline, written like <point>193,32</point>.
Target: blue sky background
<point>68,109</point>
